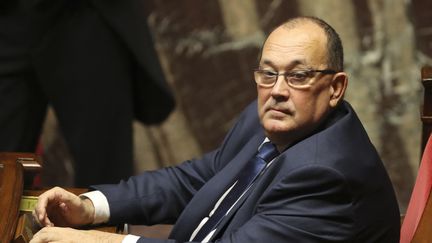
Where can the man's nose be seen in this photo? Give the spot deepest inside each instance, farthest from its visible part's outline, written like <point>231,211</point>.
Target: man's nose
<point>280,88</point>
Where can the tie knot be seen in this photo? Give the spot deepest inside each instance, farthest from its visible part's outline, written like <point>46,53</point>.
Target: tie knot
<point>267,152</point>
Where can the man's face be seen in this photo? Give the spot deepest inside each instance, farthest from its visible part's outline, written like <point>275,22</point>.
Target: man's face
<point>288,113</point>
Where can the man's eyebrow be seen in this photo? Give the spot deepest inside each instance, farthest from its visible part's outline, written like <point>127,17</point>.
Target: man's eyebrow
<point>290,65</point>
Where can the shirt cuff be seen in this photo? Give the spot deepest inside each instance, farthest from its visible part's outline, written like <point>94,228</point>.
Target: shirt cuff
<point>101,206</point>
<point>130,239</point>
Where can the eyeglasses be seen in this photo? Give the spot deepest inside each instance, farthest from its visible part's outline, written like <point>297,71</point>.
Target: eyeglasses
<point>296,79</point>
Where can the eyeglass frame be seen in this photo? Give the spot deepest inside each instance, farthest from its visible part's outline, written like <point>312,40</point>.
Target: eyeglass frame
<point>286,76</point>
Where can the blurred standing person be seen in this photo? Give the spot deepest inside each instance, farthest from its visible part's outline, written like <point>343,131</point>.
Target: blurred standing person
<point>95,63</point>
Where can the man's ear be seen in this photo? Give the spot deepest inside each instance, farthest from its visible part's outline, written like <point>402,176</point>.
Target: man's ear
<point>337,88</point>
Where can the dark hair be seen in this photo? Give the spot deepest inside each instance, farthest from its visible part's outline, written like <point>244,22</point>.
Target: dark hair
<point>335,57</point>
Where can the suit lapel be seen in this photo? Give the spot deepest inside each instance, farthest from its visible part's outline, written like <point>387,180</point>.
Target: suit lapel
<point>205,199</point>
<point>257,187</point>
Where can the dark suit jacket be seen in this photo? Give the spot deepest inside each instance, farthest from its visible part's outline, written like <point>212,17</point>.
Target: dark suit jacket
<point>329,187</point>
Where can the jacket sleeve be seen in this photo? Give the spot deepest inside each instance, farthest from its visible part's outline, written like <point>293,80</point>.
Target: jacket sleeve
<point>159,196</point>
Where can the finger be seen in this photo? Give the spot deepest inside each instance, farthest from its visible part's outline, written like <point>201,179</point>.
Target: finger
<point>40,223</point>
<point>36,218</point>
<point>40,209</point>
<point>47,199</point>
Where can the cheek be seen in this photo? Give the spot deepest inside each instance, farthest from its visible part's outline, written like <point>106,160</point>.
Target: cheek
<point>312,109</point>
<point>263,93</point>
<point>262,97</point>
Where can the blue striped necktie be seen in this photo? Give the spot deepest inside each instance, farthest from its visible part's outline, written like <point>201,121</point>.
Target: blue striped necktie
<point>245,178</point>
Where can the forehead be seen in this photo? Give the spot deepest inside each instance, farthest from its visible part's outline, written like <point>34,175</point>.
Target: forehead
<point>302,44</point>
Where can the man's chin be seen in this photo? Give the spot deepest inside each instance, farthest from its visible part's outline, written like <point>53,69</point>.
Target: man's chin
<point>276,127</point>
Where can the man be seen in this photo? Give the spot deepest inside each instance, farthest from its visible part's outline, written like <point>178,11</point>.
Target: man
<point>326,185</point>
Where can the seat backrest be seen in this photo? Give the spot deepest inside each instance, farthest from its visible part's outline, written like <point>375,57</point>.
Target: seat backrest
<point>417,224</point>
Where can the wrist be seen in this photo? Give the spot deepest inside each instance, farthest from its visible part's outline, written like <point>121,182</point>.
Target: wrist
<point>89,210</point>
<point>100,206</point>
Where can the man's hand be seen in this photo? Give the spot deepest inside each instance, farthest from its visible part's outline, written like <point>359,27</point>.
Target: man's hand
<point>58,207</point>
<point>69,235</point>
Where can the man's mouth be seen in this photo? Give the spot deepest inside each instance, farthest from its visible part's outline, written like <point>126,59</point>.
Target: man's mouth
<point>279,109</point>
